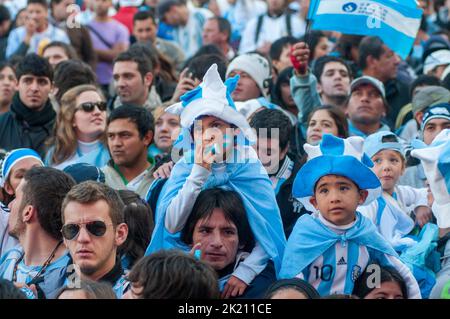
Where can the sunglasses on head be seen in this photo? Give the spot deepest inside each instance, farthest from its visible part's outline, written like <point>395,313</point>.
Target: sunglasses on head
<point>96,228</point>
<point>90,106</point>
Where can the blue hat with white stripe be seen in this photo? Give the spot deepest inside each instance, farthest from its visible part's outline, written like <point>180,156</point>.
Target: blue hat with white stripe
<point>336,156</point>
<point>383,140</point>
<point>12,158</point>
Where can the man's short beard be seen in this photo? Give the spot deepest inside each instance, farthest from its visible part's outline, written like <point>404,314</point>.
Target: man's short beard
<point>364,120</point>
<point>18,229</point>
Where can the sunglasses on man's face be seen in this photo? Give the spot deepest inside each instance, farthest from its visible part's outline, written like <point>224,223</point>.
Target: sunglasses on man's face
<point>90,106</point>
<point>96,228</point>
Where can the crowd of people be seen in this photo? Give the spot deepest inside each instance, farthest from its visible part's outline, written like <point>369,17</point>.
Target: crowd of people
<point>175,149</point>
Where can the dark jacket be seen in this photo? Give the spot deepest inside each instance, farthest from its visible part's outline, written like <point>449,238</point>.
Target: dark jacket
<point>397,95</point>
<point>290,208</point>
<point>22,127</point>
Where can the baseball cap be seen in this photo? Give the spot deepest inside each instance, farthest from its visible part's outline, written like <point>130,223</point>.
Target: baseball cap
<point>428,96</point>
<point>383,140</point>
<point>435,59</point>
<point>365,79</point>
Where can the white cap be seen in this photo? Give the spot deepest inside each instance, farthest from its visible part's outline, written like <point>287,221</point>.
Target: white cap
<point>256,66</point>
<point>435,59</point>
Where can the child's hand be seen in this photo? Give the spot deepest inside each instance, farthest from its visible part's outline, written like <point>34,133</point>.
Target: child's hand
<point>164,170</point>
<point>300,57</point>
<point>205,156</point>
<point>423,215</point>
<point>234,288</point>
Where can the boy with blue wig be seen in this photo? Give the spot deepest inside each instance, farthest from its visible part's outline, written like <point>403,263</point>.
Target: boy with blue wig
<point>333,246</point>
<point>220,157</point>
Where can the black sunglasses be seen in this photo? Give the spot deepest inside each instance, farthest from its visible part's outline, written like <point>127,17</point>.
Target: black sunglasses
<point>96,228</point>
<point>90,106</point>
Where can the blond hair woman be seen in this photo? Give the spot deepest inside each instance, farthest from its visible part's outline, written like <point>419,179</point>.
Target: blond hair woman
<point>80,129</point>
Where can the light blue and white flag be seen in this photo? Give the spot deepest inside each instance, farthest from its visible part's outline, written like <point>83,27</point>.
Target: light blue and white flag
<point>395,22</point>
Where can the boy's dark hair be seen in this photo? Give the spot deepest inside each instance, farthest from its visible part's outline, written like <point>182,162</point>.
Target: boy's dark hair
<point>321,62</point>
<point>70,51</point>
<point>9,291</point>
<point>233,209</point>
<point>173,274</point>
<point>139,115</point>
<point>4,14</point>
<point>139,218</point>
<point>144,64</point>
<point>41,2</point>
<point>369,46</point>
<point>423,80</point>
<point>272,119</point>
<point>338,117</point>
<point>144,15</point>
<point>33,64</point>
<point>71,73</point>
<point>45,190</point>
<point>198,65</point>
<point>224,26</point>
<point>386,274</point>
<point>91,192</point>
<point>277,47</point>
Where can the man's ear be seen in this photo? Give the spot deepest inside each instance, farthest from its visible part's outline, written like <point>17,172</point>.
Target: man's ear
<point>319,88</point>
<point>148,138</point>
<point>148,79</point>
<point>121,234</point>
<point>362,196</point>
<point>313,202</point>
<point>27,213</point>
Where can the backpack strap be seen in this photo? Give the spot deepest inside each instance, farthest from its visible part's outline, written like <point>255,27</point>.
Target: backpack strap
<point>258,27</point>
<point>289,24</point>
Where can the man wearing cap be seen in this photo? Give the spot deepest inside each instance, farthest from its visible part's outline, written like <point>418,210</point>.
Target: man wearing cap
<point>436,63</point>
<point>252,91</point>
<point>424,98</point>
<point>187,24</point>
<point>13,167</point>
<point>435,119</point>
<point>366,107</point>
<point>379,61</point>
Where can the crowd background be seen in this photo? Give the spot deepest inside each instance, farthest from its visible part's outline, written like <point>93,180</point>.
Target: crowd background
<point>97,106</point>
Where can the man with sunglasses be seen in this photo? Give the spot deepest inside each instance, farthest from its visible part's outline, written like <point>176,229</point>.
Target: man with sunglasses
<point>129,133</point>
<point>31,117</point>
<point>93,229</point>
<point>39,264</point>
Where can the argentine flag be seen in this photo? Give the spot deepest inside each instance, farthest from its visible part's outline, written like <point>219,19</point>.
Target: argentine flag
<point>395,22</point>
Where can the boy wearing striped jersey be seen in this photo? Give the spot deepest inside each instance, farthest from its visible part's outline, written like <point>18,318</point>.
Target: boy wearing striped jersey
<point>333,246</point>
